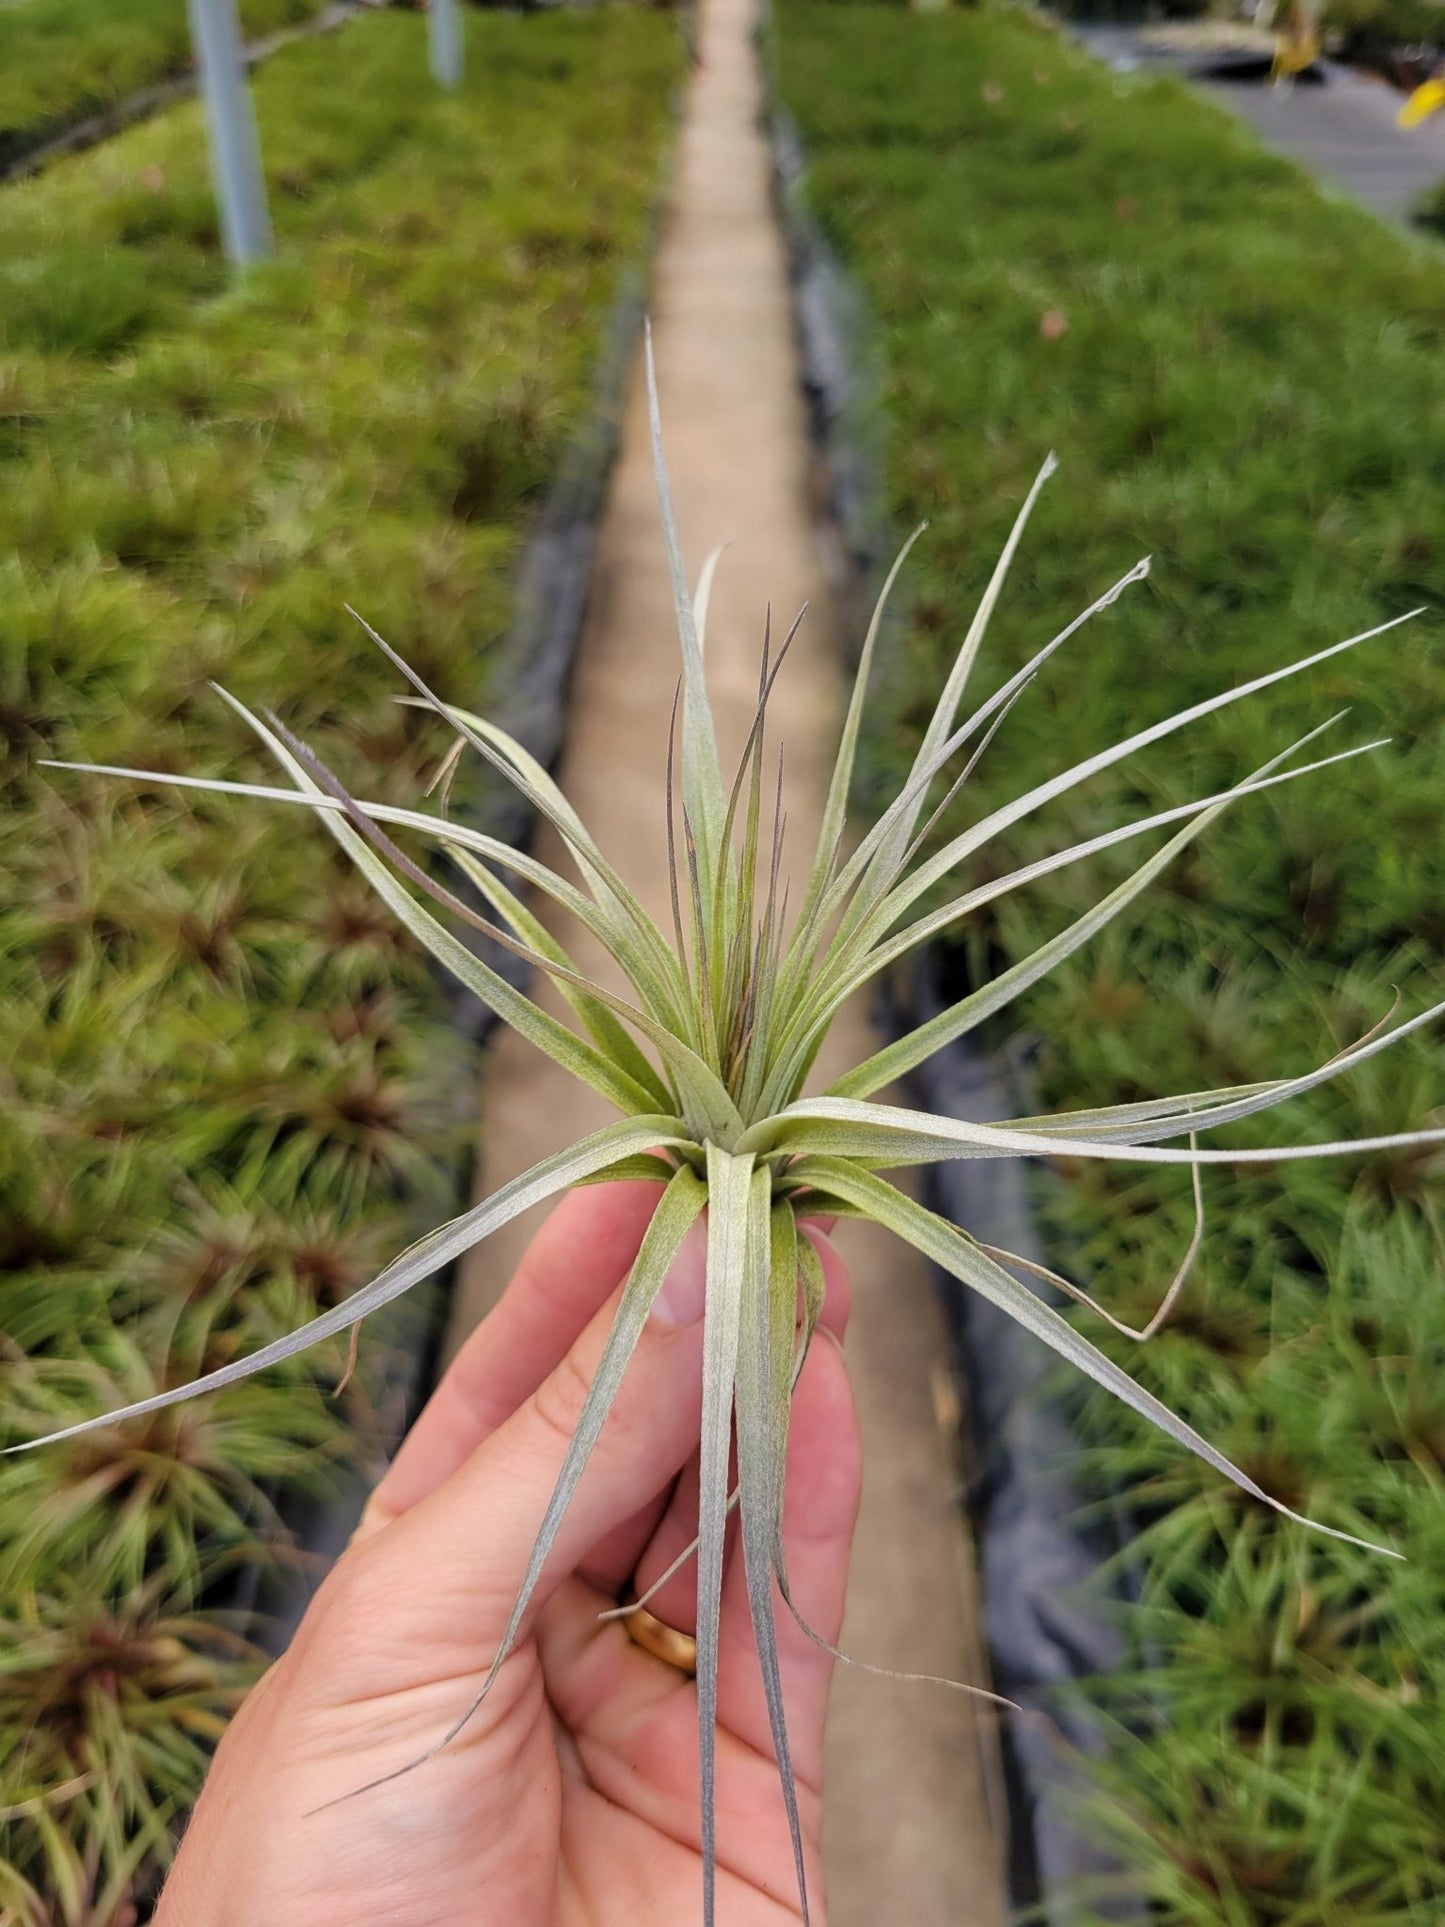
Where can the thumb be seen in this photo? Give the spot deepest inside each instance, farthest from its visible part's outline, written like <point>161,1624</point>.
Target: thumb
<point>471,1540</point>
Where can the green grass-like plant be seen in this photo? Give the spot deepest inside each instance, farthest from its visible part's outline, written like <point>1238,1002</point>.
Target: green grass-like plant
<point>708,1059</point>
<point>1429,209</point>
<point>63,59</point>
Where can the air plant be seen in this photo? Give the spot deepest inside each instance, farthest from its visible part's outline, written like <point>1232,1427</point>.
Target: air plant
<point>708,1059</point>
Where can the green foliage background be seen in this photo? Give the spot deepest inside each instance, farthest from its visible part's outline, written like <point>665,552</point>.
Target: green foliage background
<point>1363,30</point>
<point>1245,381</point>
<point>229,1086</point>
<point>61,60</point>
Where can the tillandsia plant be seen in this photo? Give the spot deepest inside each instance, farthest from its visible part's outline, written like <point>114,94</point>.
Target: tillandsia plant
<point>708,1060</point>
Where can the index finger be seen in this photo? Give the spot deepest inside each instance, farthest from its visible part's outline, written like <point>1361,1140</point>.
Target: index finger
<point>576,1261</point>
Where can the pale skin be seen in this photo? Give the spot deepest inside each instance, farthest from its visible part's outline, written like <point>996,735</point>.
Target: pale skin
<point>570,1799</point>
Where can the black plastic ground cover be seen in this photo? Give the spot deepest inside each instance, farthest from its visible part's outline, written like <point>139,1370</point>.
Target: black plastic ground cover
<point>1048,1623</point>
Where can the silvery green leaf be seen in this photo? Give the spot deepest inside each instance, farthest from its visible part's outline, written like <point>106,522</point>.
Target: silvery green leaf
<point>888,1134</point>
<point>929,926</point>
<point>607,1031</point>
<point>762,1403</point>
<point>702,601</point>
<point>1127,1126</point>
<point>941,724</point>
<point>958,1255</point>
<point>729,1188</point>
<point>973,839</point>
<point>887,1065</point>
<point>677,1211</point>
<point>418,1261</point>
<point>705,1098</point>
<point>703,789</point>
<point>881,854</point>
<point>582,1059</point>
<point>631,924</point>
<point>451,835</point>
<point>871,951</point>
<point>835,809</point>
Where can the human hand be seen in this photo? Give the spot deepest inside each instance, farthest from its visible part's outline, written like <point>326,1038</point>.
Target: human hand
<point>571,1796</point>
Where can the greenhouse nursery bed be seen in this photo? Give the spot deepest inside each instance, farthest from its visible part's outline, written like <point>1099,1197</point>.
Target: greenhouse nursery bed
<point>233,1086</point>
<point>1236,375</point>
<point>64,62</point>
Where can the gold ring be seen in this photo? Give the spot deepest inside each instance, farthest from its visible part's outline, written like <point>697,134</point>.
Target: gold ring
<point>655,1636</point>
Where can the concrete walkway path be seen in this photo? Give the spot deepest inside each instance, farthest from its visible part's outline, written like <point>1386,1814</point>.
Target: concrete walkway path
<point>909,1832</point>
<point>1343,132</point>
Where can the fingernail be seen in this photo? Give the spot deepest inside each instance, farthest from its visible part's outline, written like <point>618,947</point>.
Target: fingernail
<point>684,1290</point>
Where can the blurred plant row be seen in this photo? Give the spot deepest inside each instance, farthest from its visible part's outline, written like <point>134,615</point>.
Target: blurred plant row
<point>1429,210</point>
<point>1374,33</point>
<point>1238,378</point>
<point>61,60</point>
<point>229,1086</point>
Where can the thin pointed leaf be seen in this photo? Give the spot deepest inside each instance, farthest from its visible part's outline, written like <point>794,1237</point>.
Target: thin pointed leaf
<point>678,1209</point>
<point>941,724</point>
<point>873,867</point>
<point>835,810</point>
<point>729,1180</point>
<point>1186,1106</point>
<point>706,1099</point>
<point>887,1065</point>
<point>1211,1115</point>
<point>599,919</point>
<point>762,1448</point>
<point>583,1060</point>
<point>947,1247</point>
<point>549,958</point>
<point>887,950</point>
<point>608,1033</point>
<point>886,1134</point>
<point>851,899</point>
<point>950,913</point>
<point>702,780</point>
<point>702,601</point>
<point>418,1261</point>
<point>527,775</point>
<point>1001,819</point>
<point>629,932</point>
<point>831,991</point>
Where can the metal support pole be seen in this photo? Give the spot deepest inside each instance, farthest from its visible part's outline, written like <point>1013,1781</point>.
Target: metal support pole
<point>235,148</point>
<point>444,37</point>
